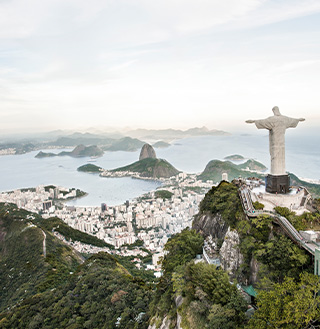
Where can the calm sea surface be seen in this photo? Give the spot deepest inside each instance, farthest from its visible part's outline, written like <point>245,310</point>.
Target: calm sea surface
<point>190,155</point>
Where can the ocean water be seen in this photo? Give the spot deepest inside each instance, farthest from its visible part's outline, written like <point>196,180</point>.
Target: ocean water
<point>190,155</point>
<point>20,171</point>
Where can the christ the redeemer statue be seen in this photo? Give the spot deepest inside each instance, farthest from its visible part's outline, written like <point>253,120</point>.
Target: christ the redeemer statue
<point>277,125</point>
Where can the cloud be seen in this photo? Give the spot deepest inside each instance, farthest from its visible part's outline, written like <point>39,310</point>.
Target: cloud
<point>142,20</point>
<point>292,66</point>
<point>77,58</point>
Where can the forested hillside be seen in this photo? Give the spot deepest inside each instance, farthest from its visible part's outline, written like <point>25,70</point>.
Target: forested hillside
<point>54,288</point>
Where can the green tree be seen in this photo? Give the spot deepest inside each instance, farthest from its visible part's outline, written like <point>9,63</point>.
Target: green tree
<point>281,258</point>
<point>229,316</point>
<point>212,281</point>
<point>296,221</point>
<point>181,248</point>
<point>289,304</point>
<point>258,206</point>
<point>223,199</point>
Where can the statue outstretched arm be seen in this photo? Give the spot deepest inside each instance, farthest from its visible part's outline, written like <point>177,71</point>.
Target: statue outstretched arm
<point>292,122</point>
<point>263,123</point>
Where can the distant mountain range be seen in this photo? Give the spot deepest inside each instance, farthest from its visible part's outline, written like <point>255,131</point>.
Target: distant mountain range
<point>130,140</point>
<point>170,134</point>
<point>77,152</point>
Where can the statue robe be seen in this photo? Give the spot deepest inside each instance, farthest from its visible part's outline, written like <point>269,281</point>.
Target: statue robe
<point>277,126</point>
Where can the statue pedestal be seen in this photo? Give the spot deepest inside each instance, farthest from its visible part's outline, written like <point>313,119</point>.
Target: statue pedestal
<point>277,184</point>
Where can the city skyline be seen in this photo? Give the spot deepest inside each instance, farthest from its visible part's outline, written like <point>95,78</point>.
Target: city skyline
<point>178,64</point>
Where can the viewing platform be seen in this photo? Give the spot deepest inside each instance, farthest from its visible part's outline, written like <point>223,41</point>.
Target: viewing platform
<point>247,196</point>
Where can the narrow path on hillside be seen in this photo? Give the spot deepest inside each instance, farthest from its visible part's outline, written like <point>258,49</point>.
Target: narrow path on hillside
<point>44,244</point>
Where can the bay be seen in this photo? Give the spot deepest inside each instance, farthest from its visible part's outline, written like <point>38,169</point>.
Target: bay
<point>190,155</point>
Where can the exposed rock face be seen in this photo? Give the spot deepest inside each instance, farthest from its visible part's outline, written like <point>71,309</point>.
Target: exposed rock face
<point>147,151</point>
<point>254,269</point>
<point>207,224</point>
<point>230,255</point>
<point>164,325</point>
<point>217,225</point>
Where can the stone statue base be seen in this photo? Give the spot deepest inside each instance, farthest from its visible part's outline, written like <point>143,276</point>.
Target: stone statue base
<point>277,184</point>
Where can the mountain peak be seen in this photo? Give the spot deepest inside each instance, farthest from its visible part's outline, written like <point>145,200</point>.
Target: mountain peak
<point>147,151</point>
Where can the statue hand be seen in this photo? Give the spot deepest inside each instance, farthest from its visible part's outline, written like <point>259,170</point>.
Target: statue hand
<point>250,121</point>
<point>302,119</point>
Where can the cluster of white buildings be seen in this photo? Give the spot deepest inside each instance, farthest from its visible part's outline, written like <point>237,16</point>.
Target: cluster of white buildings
<point>149,218</point>
<point>109,173</point>
<point>8,151</point>
<point>39,199</point>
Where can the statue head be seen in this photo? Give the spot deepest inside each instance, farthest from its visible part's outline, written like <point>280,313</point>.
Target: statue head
<point>276,110</point>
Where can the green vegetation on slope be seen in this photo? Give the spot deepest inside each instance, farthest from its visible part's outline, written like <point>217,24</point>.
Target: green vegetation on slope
<point>89,168</point>
<point>216,168</point>
<point>163,194</point>
<point>253,165</point>
<point>100,294</point>
<point>279,261</point>
<point>24,269</point>
<point>314,189</point>
<point>58,225</point>
<point>257,205</point>
<point>290,304</point>
<point>302,222</point>
<point>109,292</point>
<point>259,239</point>
<point>209,300</point>
<point>149,167</point>
<point>224,200</point>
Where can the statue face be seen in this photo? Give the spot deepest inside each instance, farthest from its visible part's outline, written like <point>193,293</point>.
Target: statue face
<point>276,110</point>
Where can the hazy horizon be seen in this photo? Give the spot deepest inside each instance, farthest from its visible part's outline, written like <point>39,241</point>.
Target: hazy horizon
<point>73,64</point>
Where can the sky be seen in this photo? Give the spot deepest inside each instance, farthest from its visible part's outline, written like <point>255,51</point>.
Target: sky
<point>71,64</point>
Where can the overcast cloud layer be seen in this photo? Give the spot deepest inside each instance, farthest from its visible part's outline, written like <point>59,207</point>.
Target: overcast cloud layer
<point>141,63</point>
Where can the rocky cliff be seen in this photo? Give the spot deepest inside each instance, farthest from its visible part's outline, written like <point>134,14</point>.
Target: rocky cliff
<point>248,248</point>
<point>211,225</point>
<point>219,212</point>
<point>147,151</point>
<point>230,255</point>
